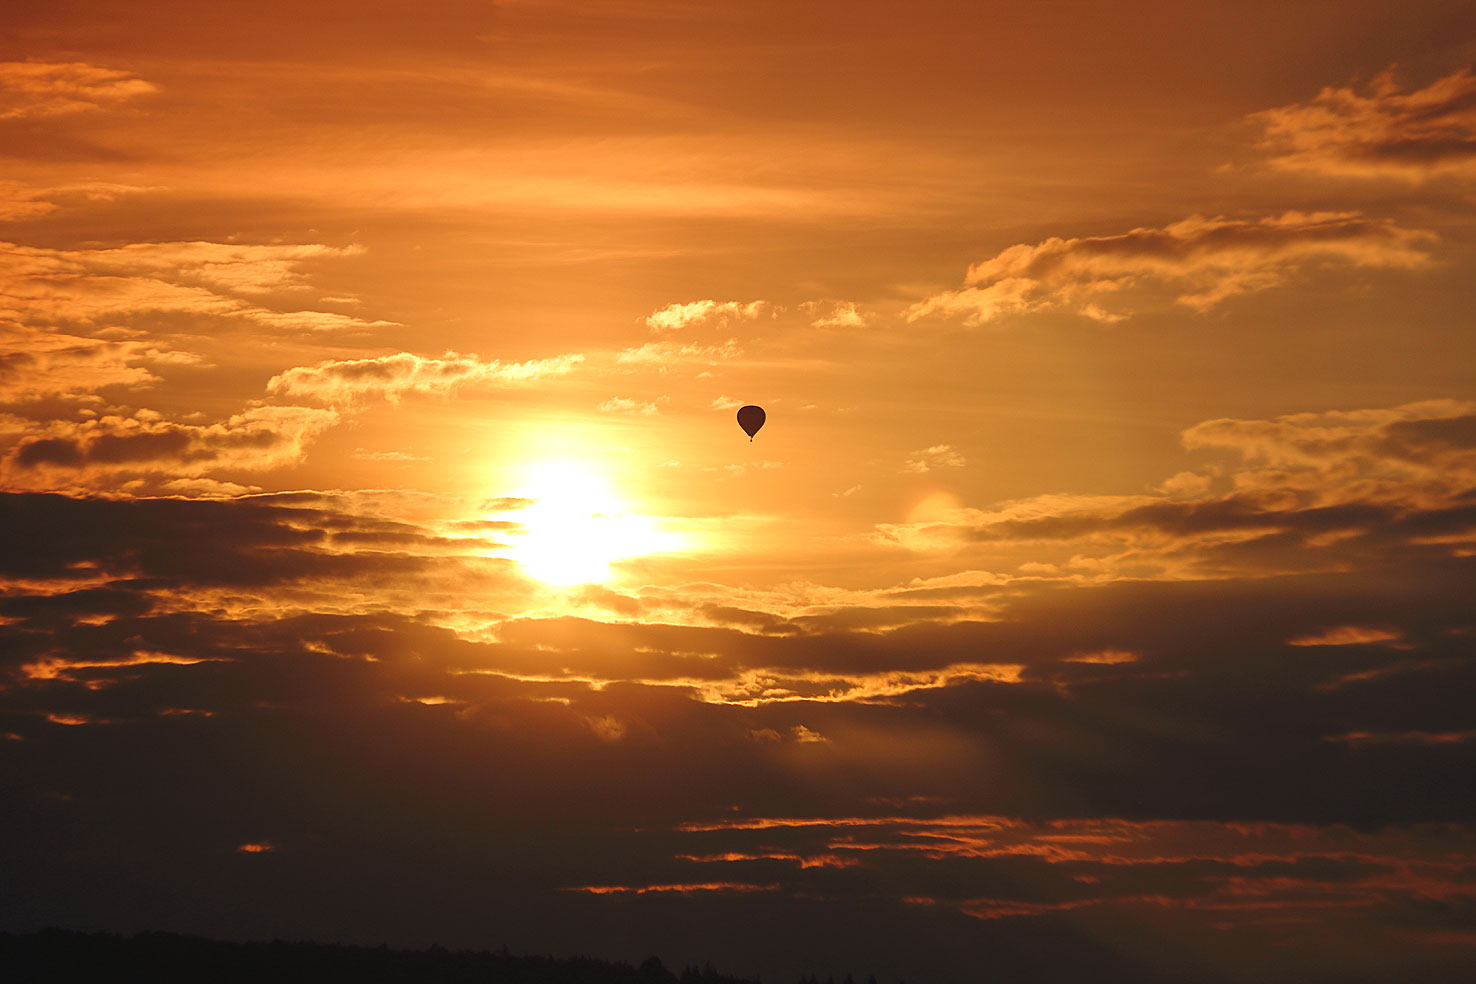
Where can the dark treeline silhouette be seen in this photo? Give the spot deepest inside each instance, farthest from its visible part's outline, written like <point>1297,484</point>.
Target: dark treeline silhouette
<point>59,955</point>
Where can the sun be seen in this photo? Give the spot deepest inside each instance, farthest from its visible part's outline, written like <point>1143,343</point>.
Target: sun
<point>577,526</point>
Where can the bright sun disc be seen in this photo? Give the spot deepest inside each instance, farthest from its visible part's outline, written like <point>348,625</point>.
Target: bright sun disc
<point>577,526</point>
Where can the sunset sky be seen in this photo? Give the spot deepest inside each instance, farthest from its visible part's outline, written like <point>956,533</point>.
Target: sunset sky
<point>381,561</point>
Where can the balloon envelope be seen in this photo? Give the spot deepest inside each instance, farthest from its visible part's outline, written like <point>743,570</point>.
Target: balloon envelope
<point>750,419</point>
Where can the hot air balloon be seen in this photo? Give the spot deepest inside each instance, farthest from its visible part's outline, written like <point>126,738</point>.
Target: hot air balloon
<point>750,419</point>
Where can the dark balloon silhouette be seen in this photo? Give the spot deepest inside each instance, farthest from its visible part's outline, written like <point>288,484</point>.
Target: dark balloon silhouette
<point>750,419</point>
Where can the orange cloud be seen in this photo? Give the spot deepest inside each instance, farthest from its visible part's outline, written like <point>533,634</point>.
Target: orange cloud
<point>19,201</point>
<point>928,459</point>
<point>1404,737</point>
<point>47,286</point>
<point>625,404</point>
<point>1381,132</point>
<point>1104,657</point>
<point>683,888</point>
<point>32,89</point>
<point>66,669</point>
<point>1429,440</point>
<point>392,377</point>
<point>1346,635</point>
<point>36,363</point>
<point>675,317</point>
<point>1204,260</point>
<point>839,314</point>
<point>662,355</point>
<point>1307,488</point>
<point>256,439</point>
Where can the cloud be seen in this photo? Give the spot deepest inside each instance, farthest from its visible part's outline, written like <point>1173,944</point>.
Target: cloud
<point>37,89</point>
<point>841,314</point>
<point>232,267</point>
<point>1432,440</point>
<point>1104,657</point>
<point>364,455</point>
<point>19,201</point>
<point>625,404</point>
<point>666,355</point>
<point>676,317</point>
<point>1346,635</point>
<point>1404,737</point>
<point>50,286</point>
<point>207,488</point>
<point>35,364</point>
<point>1308,491</point>
<point>94,450</point>
<point>1205,261</point>
<point>1052,749</point>
<point>938,456</point>
<point>1118,710</point>
<point>1185,483</point>
<point>1379,132</point>
<point>392,377</point>
<point>737,471</point>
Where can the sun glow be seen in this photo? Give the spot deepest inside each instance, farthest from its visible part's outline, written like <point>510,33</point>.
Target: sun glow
<point>577,526</point>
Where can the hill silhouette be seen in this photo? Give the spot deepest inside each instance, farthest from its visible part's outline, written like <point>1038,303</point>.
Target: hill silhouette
<point>55,955</point>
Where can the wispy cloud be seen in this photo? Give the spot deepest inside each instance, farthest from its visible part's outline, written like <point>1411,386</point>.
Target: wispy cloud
<point>392,377</point>
<point>31,89</point>
<point>625,404</point>
<point>50,286</point>
<point>662,355</point>
<point>932,458</point>
<point>22,201</point>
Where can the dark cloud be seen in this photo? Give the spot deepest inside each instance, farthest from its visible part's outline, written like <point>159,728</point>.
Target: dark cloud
<point>98,450</point>
<point>169,697</point>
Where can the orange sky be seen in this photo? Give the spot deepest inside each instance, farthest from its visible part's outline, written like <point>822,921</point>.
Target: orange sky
<point>369,369</point>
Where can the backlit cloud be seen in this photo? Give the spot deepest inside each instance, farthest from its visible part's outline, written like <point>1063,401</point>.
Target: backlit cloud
<point>661,355</point>
<point>392,377</point>
<point>836,314</point>
<point>625,404</point>
<point>1307,491</point>
<point>372,508</point>
<point>675,317</point>
<point>19,201</point>
<point>931,458</point>
<point>38,363</point>
<point>1203,261</point>
<point>1380,131</point>
<point>86,286</point>
<point>256,439</point>
<point>34,88</point>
